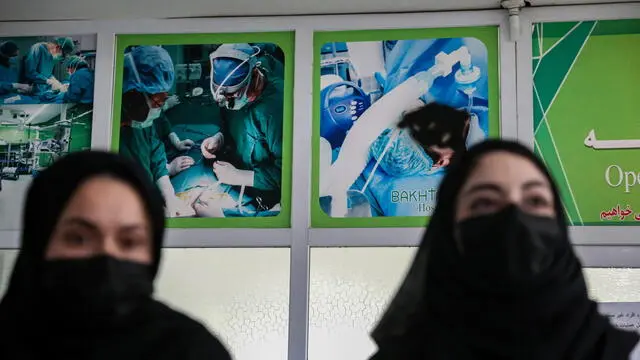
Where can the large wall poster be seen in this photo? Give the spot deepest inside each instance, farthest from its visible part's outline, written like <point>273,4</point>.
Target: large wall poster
<point>586,123</point>
<point>46,110</point>
<point>366,172</point>
<point>209,118</point>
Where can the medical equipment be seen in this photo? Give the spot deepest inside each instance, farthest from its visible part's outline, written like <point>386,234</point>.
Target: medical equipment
<point>197,91</point>
<point>367,62</point>
<point>476,134</point>
<point>383,114</point>
<point>342,103</point>
<point>188,72</point>
<point>334,60</point>
<point>13,161</point>
<point>467,76</point>
<point>358,204</point>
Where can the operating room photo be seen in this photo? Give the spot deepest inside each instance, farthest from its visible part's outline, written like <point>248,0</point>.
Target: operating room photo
<point>205,122</point>
<point>47,69</point>
<point>369,167</point>
<point>32,137</point>
<point>46,110</point>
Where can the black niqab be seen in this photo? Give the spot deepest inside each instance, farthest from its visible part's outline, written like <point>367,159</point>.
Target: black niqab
<point>439,313</point>
<point>27,331</point>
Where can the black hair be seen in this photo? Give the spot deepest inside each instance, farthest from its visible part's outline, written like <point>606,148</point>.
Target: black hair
<point>438,125</point>
<point>8,49</point>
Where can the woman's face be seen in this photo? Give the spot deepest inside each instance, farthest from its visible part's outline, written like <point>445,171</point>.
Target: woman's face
<point>104,217</point>
<point>501,179</point>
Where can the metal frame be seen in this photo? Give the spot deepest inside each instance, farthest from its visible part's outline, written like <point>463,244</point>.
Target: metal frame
<point>600,246</point>
<point>514,115</point>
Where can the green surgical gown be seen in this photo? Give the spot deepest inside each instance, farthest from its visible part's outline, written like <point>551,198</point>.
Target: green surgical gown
<point>8,76</point>
<point>256,131</point>
<point>39,64</point>
<point>144,146</point>
<point>163,129</point>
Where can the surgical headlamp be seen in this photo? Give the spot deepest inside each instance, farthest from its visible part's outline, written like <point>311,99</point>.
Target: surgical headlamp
<point>221,91</point>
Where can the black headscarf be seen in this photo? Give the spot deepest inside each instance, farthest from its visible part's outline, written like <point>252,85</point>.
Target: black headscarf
<point>439,314</point>
<point>24,332</point>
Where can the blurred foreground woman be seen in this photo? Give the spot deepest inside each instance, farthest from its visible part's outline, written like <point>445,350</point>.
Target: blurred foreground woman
<point>496,276</point>
<point>82,285</point>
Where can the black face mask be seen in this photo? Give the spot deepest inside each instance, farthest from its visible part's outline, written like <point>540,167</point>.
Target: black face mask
<point>94,292</point>
<point>508,250</point>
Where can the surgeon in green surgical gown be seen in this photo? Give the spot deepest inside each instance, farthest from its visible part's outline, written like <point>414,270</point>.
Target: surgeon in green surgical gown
<point>40,61</point>
<point>148,76</point>
<point>248,85</point>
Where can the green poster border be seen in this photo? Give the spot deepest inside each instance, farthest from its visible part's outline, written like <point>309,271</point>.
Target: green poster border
<point>557,29</point>
<point>489,35</point>
<point>286,41</point>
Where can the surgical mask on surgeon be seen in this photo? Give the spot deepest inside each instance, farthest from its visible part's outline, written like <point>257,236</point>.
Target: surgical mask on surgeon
<point>95,291</point>
<point>235,103</point>
<point>154,111</point>
<point>508,250</point>
<point>153,114</point>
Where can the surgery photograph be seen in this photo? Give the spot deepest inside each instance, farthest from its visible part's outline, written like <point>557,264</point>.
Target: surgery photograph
<point>32,137</point>
<point>47,69</point>
<point>206,124</point>
<point>369,166</point>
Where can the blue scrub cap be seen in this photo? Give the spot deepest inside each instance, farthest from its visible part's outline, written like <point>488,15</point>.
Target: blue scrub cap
<point>66,44</point>
<point>225,64</point>
<point>75,62</point>
<point>154,69</point>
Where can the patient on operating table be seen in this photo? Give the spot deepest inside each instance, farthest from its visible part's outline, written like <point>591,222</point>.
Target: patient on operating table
<point>210,197</point>
<point>442,131</point>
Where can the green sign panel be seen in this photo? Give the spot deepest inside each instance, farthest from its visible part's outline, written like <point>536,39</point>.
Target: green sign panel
<point>586,122</point>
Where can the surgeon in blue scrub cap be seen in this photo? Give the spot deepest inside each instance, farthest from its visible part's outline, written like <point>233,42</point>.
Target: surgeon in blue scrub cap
<point>147,78</point>
<point>248,84</point>
<point>232,67</point>
<point>81,79</point>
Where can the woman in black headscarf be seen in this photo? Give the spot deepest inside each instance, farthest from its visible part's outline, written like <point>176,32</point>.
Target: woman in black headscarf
<point>82,285</point>
<point>496,276</point>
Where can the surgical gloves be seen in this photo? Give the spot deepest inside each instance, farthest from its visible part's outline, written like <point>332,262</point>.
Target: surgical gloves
<point>22,88</point>
<point>228,174</point>
<point>179,164</point>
